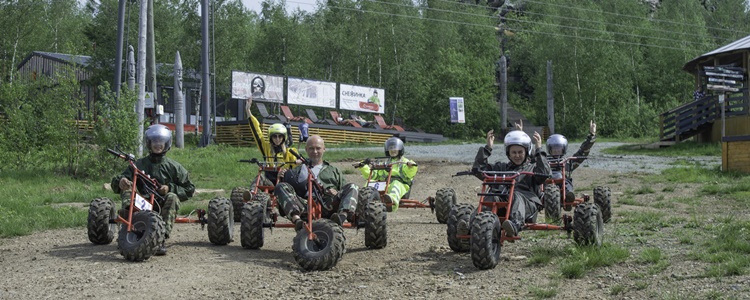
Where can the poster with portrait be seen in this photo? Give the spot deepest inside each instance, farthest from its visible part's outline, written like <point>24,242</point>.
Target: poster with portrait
<point>262,87</point>
<point>309,92</point>
<point>457,110</point>
<point>361,98</point>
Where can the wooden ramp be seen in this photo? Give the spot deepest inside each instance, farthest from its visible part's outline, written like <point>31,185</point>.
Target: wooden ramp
<point>237,133</point>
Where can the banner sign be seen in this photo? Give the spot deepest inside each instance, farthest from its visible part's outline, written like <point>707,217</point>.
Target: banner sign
<point>362,98</point>
<point>311,92</point>
<point>457,110</point>
<point>262,87</point>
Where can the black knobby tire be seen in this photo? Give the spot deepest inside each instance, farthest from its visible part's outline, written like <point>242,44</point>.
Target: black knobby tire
<point>251,230</point>
<point>237,201</point>
<point>324,253</point>
<point>603,198</point>
<point>588,226</point>
<point>485,240</point>
<point>146,236</point>
<point>376,232</point>
<point>366,195</point>
<point>552,203</point>
<point>100,230</point>
<point>459,213</point>
<point>220,221</point>
<point>445,200</point>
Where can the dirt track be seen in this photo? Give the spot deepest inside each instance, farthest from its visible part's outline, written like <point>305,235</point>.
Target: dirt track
<point>416,264</point>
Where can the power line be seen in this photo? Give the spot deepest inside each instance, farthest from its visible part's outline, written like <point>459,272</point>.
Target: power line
<point>518,29</point>
<point>631,16</point>
<point>599,22</point>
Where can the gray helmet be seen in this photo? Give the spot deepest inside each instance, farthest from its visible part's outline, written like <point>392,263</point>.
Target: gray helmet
<point>557,145</point>
<point>158,134</point>
<point>394,143</point>
<point>520,138</point>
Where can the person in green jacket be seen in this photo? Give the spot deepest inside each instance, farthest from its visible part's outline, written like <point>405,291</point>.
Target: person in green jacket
<point>173,177</point>
<point>402,174</point>
<point>339,197</point>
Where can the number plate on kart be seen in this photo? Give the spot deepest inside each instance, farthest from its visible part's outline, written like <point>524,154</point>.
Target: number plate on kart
<point>141,203</point>
<point>380,185</point>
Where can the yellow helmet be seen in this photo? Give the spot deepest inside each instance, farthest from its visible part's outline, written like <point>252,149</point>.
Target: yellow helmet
<point>275,129</point>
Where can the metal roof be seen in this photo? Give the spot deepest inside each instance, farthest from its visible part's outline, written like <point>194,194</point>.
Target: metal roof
<point>741,44</point>
<point>82,60</point>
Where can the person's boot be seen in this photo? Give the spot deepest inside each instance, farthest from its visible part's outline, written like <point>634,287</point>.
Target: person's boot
<point>162,249</point>
<point>510,227</point>
<point>298,224</point>
<point>570,197</point>
<point>339,218</point>
<point>388,202</point>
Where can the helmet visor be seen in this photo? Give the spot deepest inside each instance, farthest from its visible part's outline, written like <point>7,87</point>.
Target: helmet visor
<point>158,144</point>
<point>556,150</point>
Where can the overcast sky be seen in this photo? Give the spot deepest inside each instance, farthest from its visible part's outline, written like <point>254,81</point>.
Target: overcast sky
<point>291,5</point>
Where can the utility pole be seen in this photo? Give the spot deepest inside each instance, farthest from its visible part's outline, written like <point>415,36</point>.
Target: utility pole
<point>550,99</point>
<point>118,52</point>
<point>151,61</point>
<point>206,79</point>
<point>141,73</point>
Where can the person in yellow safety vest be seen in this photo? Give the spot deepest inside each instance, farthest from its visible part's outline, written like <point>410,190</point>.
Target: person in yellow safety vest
<point>274,148</point>
<point>402,175</point>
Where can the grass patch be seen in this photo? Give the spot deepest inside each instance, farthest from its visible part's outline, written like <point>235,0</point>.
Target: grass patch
<point>35,201</point>
<point>543,255</point>
<point>649,220</point>
<point>616,289</point>
<point>583,259</point>
<point>629,200</point>
<point>644,190</point>
<point>650,255</point>
<point>679,149</point>
<point>543,292</point>
<point>727,249</point>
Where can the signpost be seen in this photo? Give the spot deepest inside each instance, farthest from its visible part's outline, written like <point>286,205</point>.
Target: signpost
<point>724,79</point>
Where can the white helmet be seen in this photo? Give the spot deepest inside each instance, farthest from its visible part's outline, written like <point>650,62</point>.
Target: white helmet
<point>520,138</point>
<point>160,135</point>
<point>557,145</point>
<point>394,143</point>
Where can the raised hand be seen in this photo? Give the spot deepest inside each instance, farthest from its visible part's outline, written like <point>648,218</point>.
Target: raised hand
<point>519,124</point>
<point>537,140</point>
<point>248,105</point>
<point>490,138</point>
<point>592,127</point>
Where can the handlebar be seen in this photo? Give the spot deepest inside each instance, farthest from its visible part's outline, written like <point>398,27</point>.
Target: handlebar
<point>503,174</point>
<point>379,163</point>
<point>120,154</point>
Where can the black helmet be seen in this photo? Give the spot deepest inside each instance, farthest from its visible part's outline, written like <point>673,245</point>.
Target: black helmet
<point>158,135</point>
<point>394,143</point>
<point>557,145</point>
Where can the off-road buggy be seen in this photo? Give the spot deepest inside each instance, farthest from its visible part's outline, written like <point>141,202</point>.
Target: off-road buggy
<point>142,229</point>
<point>321,243</point>
<point>555,190</point>
<point>271,170</point>
<point>375,190</point>
<point>478,230</point>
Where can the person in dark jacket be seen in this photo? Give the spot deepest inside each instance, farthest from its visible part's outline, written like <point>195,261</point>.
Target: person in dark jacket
<point>171,175</point>
<point>518,149</point>
<point>557,146</point>
<point>339,197</point>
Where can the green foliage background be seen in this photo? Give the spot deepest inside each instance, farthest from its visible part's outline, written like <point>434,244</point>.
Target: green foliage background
<point>617,62</point>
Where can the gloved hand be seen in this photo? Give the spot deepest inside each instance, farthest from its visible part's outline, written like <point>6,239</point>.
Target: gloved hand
<point>163,190</point>
<point>125,184</point>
